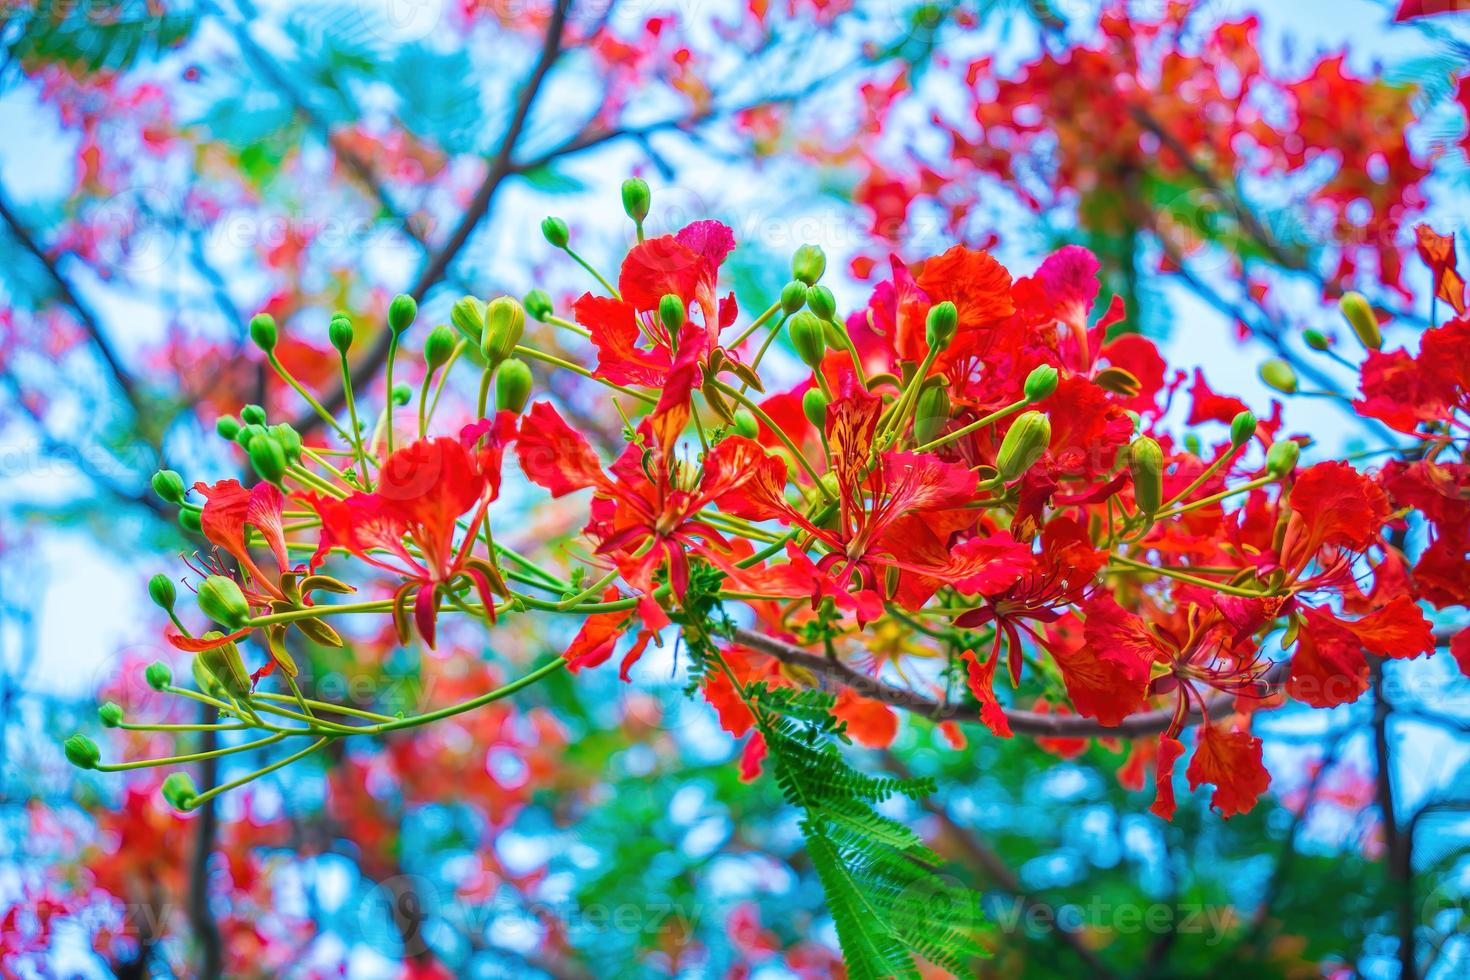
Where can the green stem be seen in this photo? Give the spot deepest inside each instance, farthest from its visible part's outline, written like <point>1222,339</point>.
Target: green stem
<point>179,760</point>
<point>316,406</point>
<point>210,794</point>
<point>981,423</point>
<point>760,414</point>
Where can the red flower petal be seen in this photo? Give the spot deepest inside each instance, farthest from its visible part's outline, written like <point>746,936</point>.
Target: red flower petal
<point>1170,749</point>
<point>1339,506</point>
<point>1231,760</point>
<point>982,685</point>
<point>554,455</point>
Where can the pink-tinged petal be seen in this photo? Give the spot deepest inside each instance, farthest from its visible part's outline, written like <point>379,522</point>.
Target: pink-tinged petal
<point>712,241</point>
<point>425,612</point>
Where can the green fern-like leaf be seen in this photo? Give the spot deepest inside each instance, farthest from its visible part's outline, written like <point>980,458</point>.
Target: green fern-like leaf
<point>81,36</point>
<point>887,897</point>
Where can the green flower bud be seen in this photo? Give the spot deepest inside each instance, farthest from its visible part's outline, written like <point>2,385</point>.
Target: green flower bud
<point>538,304</point>
<point>793,297</point>
<point>252,415</point>
<point>289,438</point>
<point>267,457</point>
<point>221,600</point>
<point>1192,444</point>
<point>808,264</point>
<point>263,331</point>
<point>402,312</point>
<point>225,666</point>
<point>939,328</point>
<point>1242,429</point>
<point>1279,375</point>
<point>1360,316</point>
<point>814,407</point>
<point>162,591</point>
<point>339,331</point>
<point>227,426</point>
<point>672,313</point>
<point>745,424</point>
<point>179,791</point>
<point>822,302</point>
<point>1024,443</point>
<point>247,433</point>
<point>1146,463</point>
<point>1316,339</point>
<point>505,323</point>
<point>81,751</point>
<point>1281,458</point>
<point>158,675</point>
<point>204,680</point>
<point>931,413</point>
<point>468,316</point>
<point>438,347</point>
<point>513,386</point>
<point>636,198</point>
<point>1041,383</point>
<point>110,714</point>
<point>808,338</point>
<point>402,394</point>
<point>555,231</point>
<point>169,486</point>
<point>189,520</point>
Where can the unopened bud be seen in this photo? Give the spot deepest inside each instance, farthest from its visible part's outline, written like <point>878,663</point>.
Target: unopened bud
<point>252,415</point>
<point>1192,445</point>
<point>1360,316</point>
<point>513,385</point>
<point>505,323</point>
<point>1316,339</point>
<point>814,407</point>
<point>1242,429</point>
<point>793,297</point>
<point>339,332</point>
<point>221,600</point>
<point>438,347</point>
<point>263,331</point>
<point>162,591</point>
<point>1146,464</point>
<point>939,329</point>
<point>555,231</point>
<point>267,457</point>
<point>468,316</point>
<point>290,440</point>
<point>158,675</point>
<point>225,666</point>
<point>745,424</point>
<point>1279,375</point>
<point>671,314</point>
<point>402,393</point>
<point>169,486</point>
<point>189,520</point>
<point>227,426</point>
<point>1041,383</point>
<point>402,312</point>
<point>931,413</point>
<point>1119,381</point>
<point>81,751</point>
<point>179,791</point>
<point>1281,457</point>
<point>110,713</point>
<point>808,337</point>
<point>821,301</point>
<point>808,264</point>
<point>538,304</point>
<point>1024,443</point>
<point>636,198</point>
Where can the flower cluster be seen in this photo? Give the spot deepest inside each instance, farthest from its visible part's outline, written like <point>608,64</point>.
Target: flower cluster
<point>968,499</point>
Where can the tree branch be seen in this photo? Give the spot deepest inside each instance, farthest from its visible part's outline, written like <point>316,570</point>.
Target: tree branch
<point>1022,722</point>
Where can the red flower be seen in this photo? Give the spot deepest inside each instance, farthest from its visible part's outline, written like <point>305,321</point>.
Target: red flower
<point>1328,667</point>
<point>633,345</point>
<point>1411,9</point>
<point>875,501</point>
<point>1231,760</point>
<point>228,509</point>
<point>423,489</point>
<point>1438,252</point>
